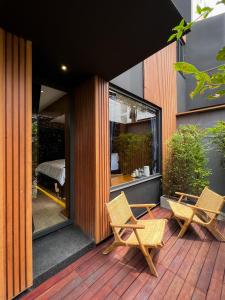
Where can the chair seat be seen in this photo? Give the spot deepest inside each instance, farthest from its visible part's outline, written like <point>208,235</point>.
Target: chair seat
<point>184,212</point>
<point>151,235</point>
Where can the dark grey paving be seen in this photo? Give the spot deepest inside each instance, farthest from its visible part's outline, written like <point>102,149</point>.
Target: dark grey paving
<point>57,250</point>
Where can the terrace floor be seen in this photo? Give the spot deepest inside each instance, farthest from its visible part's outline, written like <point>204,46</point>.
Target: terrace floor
<point>189,268</point>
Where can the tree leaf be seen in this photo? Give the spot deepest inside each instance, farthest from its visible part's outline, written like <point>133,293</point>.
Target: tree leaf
<point>221,54</point>
<point>182,23</point>
<point>198,9</point>
<point>179,35</point>
<point>198,88</point>
<point>203,76</point>
<point>172,37</point>
<point>186,68</point>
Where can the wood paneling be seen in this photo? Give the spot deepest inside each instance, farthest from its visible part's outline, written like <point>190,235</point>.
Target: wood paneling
<point>160,89</point>
<point>91,161</point>
<point>16,164</point>
<point>102,158</point>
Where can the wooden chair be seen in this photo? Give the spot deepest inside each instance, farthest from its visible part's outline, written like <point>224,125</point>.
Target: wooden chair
<point>204,212</point>
<point>146,234</point>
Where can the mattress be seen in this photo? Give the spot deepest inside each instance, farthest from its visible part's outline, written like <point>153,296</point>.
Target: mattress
<point>54,169</point>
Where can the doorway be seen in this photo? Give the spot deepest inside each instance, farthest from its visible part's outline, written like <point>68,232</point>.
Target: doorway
<point>50,160</point>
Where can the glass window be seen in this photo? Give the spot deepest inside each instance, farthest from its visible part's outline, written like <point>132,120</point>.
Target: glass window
<point>134,144</point>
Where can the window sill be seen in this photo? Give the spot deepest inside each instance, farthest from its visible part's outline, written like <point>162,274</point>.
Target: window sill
<point>135,182</point>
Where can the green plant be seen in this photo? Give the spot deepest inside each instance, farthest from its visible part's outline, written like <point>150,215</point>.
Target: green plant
<point>134,151</point>
<point>218,138</point>
<point>204,80</point>
<point>186,166</point>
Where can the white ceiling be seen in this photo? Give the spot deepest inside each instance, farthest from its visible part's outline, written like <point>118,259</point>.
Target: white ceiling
<point>49,96</point>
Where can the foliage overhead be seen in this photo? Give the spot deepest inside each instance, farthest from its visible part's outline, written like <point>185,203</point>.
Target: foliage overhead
<point>186,166</point>
<point>215,83</point>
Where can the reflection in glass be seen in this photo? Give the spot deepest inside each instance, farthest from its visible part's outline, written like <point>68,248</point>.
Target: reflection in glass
<point>50,156</point>
<point>133,139</point>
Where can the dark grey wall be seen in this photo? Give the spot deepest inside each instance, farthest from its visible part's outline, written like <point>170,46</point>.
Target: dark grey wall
<point>203,42</point>
<point>131,80</point>
<point>146,192</point>
<point>184,7</point>
<point>205,120</point>
<point>181,93</point>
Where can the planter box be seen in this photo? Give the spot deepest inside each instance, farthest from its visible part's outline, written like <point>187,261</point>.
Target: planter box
<point>164,202</point>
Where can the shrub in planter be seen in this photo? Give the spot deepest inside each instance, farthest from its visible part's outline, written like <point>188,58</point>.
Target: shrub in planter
<point>186,166</point>
<point>218,138</point>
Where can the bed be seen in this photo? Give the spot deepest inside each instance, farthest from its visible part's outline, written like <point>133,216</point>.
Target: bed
<point>55,170</point>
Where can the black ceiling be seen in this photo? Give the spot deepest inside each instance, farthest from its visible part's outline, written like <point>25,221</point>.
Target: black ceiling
<point>90,37</point>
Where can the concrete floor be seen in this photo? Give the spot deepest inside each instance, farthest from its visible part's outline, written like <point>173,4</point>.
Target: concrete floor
<point>46,212</point>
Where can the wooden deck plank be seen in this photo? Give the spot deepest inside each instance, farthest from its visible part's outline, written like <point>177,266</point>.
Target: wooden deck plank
<point>216,283</point>
<point>102,280</point>
<point>207,269</point>
<point>131,276</point>
<point>189,268</point>
<point>186,291</point>
<point>151,283</point>
<point>189,259</point>
<point>174,288</point>
<point>198,295</point>
<point>161,289</point>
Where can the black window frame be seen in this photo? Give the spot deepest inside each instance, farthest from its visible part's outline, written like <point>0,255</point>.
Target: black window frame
<point>157,110</point>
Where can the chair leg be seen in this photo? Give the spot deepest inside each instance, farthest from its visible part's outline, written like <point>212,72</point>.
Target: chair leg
<point>215,232</point>
<point>183,229</point>
<point>110,248</point>
<point>150,262</point>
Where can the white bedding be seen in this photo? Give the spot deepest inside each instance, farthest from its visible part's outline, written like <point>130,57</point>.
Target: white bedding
<point>54,169</point>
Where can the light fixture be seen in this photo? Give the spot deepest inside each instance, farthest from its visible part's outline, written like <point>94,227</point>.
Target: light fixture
<point>64,67</point>
<point>42,91</point>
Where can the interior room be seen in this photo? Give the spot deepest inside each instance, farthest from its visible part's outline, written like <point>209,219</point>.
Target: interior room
<point>50,151</point>
<point>133,139</point>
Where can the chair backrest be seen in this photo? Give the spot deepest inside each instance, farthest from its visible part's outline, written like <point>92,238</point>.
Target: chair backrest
<point>210,200</point>
<point>119,210</point>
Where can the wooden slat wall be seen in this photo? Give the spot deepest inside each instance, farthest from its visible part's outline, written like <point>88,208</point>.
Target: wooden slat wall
<point>102,158</point>
<point>16,164</point>
<point>160,88</point>
<point>91,162</point>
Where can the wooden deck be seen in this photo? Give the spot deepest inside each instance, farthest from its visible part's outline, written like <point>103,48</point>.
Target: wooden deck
<point>189,268</point>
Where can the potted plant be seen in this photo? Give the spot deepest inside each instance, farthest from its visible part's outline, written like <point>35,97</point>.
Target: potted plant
<point>186,166</point>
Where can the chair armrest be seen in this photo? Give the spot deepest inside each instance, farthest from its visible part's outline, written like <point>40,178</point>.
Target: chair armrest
<point>188,195</point>
<point>203,209</point>
<point>143,205</point>
<point>128,226</point>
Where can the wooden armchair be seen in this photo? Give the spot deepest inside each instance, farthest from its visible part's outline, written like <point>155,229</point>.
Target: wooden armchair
<point>146,234</point>
<point>204,212</point>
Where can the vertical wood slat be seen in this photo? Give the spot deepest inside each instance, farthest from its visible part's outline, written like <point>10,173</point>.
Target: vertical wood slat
<point>2,170</point>
<point>16,165</point>
<point>160,88</point>
<point>91,169</point>
<point>28,164</point>
<point>102,158</point>
<point>84,160</point>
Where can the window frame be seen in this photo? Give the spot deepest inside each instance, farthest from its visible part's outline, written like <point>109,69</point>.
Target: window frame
<point>157,110</point>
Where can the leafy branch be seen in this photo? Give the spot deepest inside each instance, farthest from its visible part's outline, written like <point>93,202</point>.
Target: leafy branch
<point>204,81</point>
